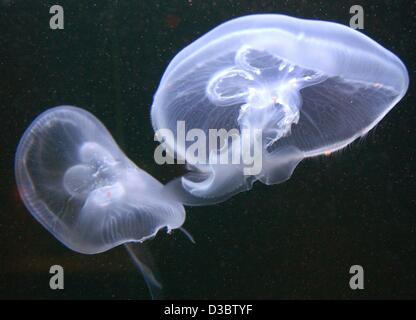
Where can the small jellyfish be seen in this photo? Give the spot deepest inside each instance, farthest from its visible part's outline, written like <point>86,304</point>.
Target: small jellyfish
<point>80,186</point>
<point>300,88</point>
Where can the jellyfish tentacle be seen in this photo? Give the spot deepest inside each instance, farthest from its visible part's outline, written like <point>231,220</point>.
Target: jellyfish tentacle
<point>187,234</point>
<point>153,284</point>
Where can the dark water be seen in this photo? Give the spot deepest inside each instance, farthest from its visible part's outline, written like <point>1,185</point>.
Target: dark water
<point>294,240</point>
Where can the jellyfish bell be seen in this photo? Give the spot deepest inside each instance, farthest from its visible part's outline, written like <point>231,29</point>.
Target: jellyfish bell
<point>311,87</point>
<point>79,185</point>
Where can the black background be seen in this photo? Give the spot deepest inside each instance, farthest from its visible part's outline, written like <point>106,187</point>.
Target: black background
<point>294,240</point>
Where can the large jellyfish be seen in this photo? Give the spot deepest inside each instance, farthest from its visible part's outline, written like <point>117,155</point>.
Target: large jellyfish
<point>298,88</point>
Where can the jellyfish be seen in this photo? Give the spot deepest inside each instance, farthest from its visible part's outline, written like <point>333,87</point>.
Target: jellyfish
<point>81,187</point>
<point>296,88</point>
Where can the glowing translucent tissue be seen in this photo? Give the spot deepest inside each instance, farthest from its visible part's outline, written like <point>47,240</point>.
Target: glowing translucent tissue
<point>311,87</point>
<point>78,184</point>
<point>300,88</point>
